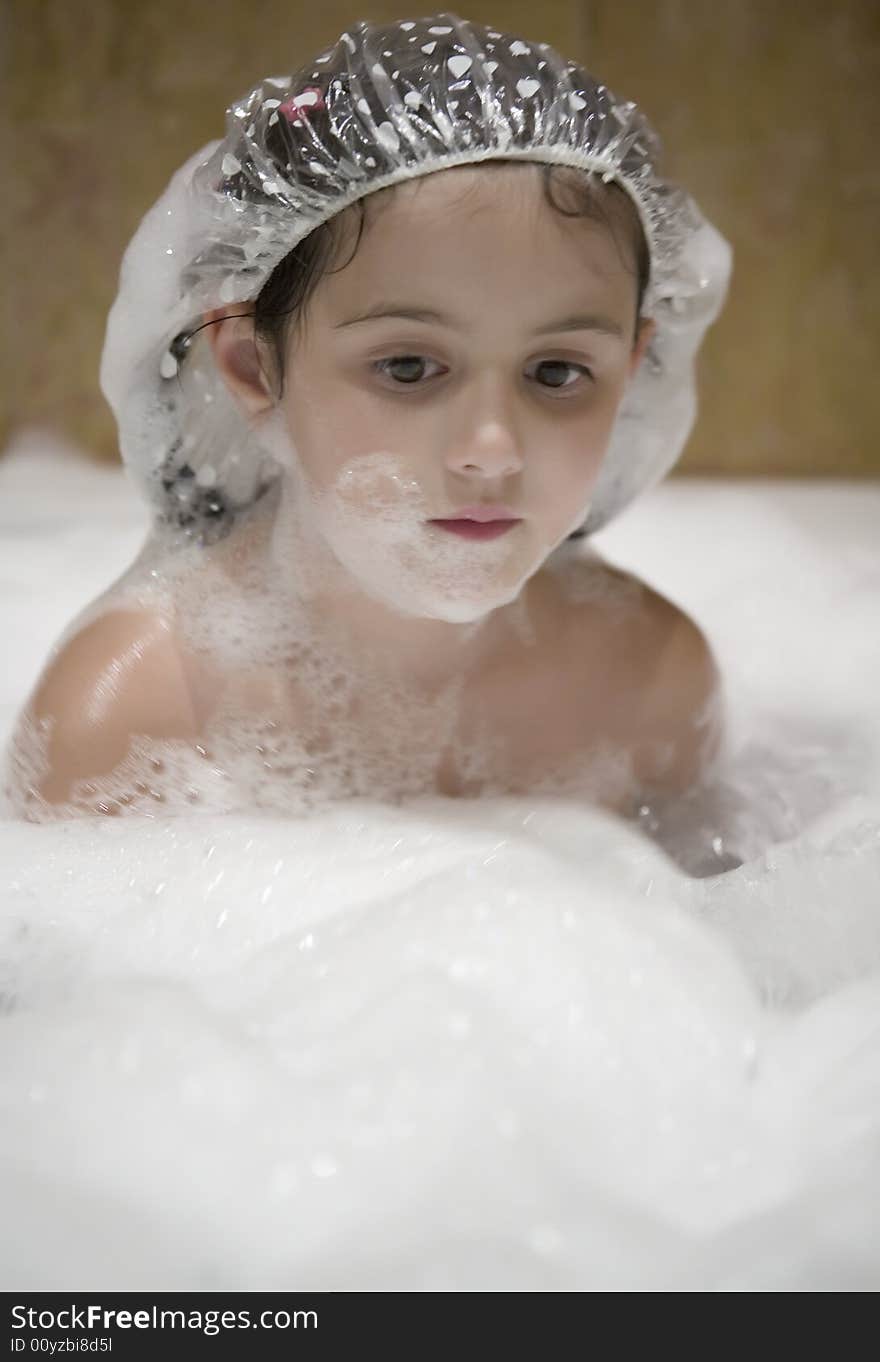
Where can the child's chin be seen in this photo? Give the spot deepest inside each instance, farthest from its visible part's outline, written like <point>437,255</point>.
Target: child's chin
<point>458,610</point>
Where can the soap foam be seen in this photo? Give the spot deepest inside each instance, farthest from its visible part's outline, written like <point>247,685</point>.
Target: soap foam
<point>447,1044</point>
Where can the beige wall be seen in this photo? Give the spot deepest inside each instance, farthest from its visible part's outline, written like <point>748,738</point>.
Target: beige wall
<point>769,116</point>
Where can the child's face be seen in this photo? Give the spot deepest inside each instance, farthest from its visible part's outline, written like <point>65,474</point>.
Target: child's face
<point>396,421</point>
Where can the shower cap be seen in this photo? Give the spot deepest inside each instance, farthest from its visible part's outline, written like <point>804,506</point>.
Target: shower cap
<point>387,102</point>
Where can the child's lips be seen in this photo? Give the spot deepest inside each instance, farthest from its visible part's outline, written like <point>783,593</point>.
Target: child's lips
<point>475,529</point>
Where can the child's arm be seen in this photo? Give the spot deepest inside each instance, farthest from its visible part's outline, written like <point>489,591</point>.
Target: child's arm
<point>118,677</point>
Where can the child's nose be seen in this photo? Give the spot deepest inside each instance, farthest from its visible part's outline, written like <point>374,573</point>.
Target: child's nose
<point>495,460</point>
<point>488,439</point>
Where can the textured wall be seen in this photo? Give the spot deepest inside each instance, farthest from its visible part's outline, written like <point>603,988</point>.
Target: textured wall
<point>768,114</point>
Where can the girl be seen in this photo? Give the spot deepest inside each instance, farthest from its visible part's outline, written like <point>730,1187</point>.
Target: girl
<point>383,359</point>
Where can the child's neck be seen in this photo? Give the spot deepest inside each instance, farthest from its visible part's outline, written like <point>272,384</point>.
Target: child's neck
<point>329,606</point>
<point>427,652</point>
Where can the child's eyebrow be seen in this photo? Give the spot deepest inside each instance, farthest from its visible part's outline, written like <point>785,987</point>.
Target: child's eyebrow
<point>580,322</point>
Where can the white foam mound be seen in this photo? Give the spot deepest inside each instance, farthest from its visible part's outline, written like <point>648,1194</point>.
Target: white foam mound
<point>410,1049</point>
<point>499,1044</point>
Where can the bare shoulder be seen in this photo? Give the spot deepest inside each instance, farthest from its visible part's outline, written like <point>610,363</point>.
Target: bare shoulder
<point>661,684</point>
<point>118,676</point>
<point>678,725</point>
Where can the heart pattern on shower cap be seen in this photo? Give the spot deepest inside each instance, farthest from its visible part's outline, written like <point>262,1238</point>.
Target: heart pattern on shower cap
<point>390,101</point>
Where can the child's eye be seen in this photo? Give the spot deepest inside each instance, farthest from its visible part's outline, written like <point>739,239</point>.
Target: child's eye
<point>561,364</point>
<point>410,369</point>
<point>407,366</point>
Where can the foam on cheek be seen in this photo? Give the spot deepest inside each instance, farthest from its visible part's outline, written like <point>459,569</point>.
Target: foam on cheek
<point>374,519</point>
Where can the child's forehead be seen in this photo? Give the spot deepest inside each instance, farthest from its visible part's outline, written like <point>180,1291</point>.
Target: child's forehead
<point>460,219</point>
<point>499,289</point>
<point>453,206</point>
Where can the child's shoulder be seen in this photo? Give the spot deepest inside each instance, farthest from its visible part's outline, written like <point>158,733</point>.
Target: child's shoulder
<point>119,675</point>
<point>654,663</point>
<point>594,594</point>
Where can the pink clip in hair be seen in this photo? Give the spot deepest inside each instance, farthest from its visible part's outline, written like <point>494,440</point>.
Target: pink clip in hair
<point>297,107</point>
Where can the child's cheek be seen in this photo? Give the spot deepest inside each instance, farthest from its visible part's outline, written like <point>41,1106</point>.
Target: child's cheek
<point>331,425</point>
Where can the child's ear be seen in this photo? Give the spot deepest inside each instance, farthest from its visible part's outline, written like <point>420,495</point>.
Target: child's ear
<point>237,357</point>
<point>647,327</point>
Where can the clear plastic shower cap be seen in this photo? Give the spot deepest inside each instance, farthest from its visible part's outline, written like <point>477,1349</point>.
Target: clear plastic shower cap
<point>385,103</point>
